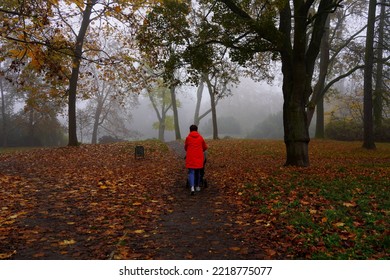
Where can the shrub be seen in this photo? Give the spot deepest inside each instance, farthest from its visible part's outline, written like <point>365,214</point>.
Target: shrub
<point>346,130</point>
<point>109,139</point>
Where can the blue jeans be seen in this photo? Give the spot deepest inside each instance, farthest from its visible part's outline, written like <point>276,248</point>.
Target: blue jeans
<point>193,177</point>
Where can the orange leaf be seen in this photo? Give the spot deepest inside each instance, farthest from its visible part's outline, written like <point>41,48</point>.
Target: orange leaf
<point>235,249</point>
<point>348,204</point>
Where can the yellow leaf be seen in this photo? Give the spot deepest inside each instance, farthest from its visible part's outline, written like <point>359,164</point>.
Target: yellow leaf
<point>139,231</point>
<point>137,203</point>
<point>67,242</point>
<point>312,211</point>
<point>103,187</point>
<point>347,204</point>
<point>339,224</point>
<point>16,53</point>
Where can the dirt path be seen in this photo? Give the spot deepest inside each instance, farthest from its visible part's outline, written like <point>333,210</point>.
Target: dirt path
<point>53,216</point>
<point>199,226</point>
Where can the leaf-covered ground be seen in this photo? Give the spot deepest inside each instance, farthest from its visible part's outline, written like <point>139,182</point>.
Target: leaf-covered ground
<point>99,202</point>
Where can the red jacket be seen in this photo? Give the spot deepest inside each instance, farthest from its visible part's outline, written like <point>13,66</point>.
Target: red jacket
<point>195,146</point>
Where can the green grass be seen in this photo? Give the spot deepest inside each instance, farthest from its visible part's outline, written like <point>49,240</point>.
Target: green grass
<point>9,150</point>
<point>352,223</point>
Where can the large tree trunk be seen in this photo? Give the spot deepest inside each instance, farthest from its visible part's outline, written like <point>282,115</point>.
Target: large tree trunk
<point>296,134</point>
<point>72,92</point>
<point>298,60</point>
<point>368,142</point>
<point>175,113</point>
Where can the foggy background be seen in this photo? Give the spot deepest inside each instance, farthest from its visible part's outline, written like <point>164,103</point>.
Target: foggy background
<point>239,115</point>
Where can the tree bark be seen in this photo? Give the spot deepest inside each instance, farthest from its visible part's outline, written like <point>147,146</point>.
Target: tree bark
<point>175,113</point>
<point>378,92</point>
<point>213,106</point>
<point>72,91</point>
<point>199,95</point>
<point>320,122</point>
<point>96,121</point>
<point>317,97</point>
<point>296,134</point>
<point>368,142</point>
<point>3,114</point>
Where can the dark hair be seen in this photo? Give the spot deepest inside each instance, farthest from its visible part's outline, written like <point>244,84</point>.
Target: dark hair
<point>193,128</point>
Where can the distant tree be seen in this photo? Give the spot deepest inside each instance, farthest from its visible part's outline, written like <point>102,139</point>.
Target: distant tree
<point>162,36</point>
<point>381,47</point>
<point>368,141</point>
<point>340,56</point>
<point>228,126</point>
<point>4,115</point>
<point>108,93</point>
<point>160,99</point>
<point>270,128</point>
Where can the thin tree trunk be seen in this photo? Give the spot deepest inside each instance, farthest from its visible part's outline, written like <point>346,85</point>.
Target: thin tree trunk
<point>368,142</point>
<point>199,95</point>
<point>3,114</point>
<point>213,106</point>
<point>378,92</point>
<point>31,129</point>
<point>175,113</point>
<point>96,121</point>
<point>320,123</point>
<point>161,127</point>
<point>317,96</point>
<point>72,92</point>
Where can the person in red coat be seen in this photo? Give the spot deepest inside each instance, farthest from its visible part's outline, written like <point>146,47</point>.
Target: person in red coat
<point>195,147</point>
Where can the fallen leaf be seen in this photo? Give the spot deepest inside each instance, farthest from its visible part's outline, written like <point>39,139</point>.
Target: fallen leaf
<point>39,255</point>
<point>235,249</point>
<point>349,204</point>
<point>67,242</point>
<point>7,255</point>
<point>339,224</point>
<point>270,252</point>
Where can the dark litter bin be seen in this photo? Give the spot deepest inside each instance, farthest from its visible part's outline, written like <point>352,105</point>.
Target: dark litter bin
<point>139,152</point>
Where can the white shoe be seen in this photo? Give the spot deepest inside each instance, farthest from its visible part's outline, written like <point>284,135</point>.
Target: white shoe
<point>198,189</point>
<point>192,190</point>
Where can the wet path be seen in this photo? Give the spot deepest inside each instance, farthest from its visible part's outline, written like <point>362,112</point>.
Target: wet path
<point>199,226</point>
